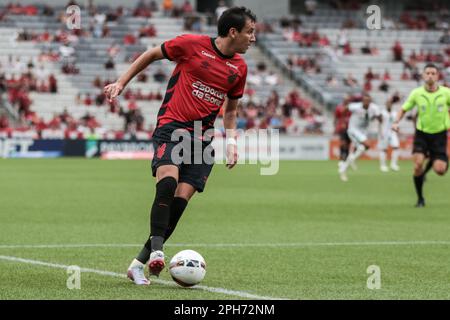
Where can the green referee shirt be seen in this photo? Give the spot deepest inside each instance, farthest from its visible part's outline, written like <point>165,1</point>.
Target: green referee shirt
<point>433,107</point>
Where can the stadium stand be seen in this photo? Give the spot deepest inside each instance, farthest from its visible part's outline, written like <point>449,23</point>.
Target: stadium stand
<point>303,67</point>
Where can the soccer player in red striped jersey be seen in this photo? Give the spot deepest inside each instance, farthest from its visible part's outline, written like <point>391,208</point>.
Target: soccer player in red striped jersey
<point>209,74</point>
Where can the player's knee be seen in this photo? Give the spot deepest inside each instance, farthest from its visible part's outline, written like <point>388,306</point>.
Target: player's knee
<point>165,190</point>
<point>441,170</point>
<point>418,170</point>
<point>185,191</point>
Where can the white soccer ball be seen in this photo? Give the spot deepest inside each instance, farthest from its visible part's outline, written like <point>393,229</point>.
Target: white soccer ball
<point>187,268</point>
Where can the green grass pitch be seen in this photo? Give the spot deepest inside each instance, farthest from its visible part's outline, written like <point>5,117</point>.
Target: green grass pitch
<point>300,234</point>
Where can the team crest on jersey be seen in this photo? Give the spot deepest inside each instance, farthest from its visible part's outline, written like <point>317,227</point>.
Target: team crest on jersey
<point>440,108</point>
<point>205,64</point>
<point>232,77</point>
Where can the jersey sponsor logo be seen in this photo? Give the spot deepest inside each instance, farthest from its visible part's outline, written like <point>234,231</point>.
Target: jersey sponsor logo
<point>231,65</point>
<point>204,92</point>
<point>209,55</point>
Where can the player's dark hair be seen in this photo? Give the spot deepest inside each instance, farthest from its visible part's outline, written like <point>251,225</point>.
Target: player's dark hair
<point>234,17</point>
<point>431,65</point>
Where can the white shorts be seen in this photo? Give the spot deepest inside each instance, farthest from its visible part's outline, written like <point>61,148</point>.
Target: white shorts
<point>390,139</point>
<point>358,137</point>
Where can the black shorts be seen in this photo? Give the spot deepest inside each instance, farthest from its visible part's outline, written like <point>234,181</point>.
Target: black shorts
<point>194,168</point>
<point>433,145</point>
<point>343,136</point>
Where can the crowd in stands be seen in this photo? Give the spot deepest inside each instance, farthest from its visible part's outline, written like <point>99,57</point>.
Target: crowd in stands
<point>276,112</point>
<point>19,78</point>
<point>279,113</point>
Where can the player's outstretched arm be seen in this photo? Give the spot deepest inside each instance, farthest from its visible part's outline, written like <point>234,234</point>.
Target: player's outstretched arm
<point>229,122</point>
<point>114,89</point>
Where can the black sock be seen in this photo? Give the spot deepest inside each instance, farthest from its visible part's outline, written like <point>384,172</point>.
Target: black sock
<point>176,210</point>
<point>428,167</point>
<point>160,214</point>
<point>418,182</point>
<point>343,153</point>
<point>144,255</point>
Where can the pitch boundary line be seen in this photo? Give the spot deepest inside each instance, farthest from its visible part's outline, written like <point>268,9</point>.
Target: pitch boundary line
<point>235,293</point>
<point>227,245</point>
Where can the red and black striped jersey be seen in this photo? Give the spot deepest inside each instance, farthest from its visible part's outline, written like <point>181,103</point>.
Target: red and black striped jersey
<point>202,78</point>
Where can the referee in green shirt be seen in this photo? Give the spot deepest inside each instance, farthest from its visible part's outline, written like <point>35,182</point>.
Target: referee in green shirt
<point>433,121</point>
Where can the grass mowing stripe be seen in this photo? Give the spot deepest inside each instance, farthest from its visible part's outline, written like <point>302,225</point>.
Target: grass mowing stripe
<point>230,245</point>
<point>240,294</point>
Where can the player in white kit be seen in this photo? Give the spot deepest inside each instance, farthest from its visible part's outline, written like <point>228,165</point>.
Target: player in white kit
<point>362,114</point>
<point>389,138</point>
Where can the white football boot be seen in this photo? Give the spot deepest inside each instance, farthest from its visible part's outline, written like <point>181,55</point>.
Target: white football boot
<point>136,273</point>
<point>156,263</point>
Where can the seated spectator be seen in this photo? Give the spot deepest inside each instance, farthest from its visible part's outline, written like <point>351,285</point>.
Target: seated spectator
<point>221,7</point>
<point>52,83</point>
<point>342,39</point>
<point>153,6</point>
<point>367,49</point>
<point>347,48</point>
<point>100,99</point>
<point>48,11</point>
<point>332,81</point>
<point>310,7</point>
<point>404,75</point>
<point>167,6</point>
<point>109,65</point>
<point>350,81</point>
<point>70,68</point>
<point>384,86</point>
<point>160,75</point>
<point>324,41</point>
<point>147,31</point>
<point>416,75</point>
<point>368,86</point>
<point>271,79</point>
<point>386,75</point>
<point>97,83</point>
<point>129,39</point>
<point>397,51</point>
<point>142,77</point>
<point>445,38</point>
<point>142,10</point>
<point>4,122</point>
<point>187,7</point>
<point>87,100</point>
<point>78,100</point>
<point>369,76</point>
<point>254,78</point>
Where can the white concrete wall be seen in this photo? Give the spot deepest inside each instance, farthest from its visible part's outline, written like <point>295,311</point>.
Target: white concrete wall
<point>264,8</point>
<point>127,3</point>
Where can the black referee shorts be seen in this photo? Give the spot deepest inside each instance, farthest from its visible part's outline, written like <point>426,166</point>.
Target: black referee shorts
<point>191,172</point>
<point>432,145</point>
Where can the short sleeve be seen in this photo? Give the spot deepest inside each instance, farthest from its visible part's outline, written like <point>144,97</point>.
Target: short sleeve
<point>410,102</point>
<point>179,48</point>
<point>238,90</point>
<point>353,107</point>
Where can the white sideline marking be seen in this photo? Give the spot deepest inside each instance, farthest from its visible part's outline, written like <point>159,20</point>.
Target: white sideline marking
<point>241,294</point>
<point>230,245</point>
